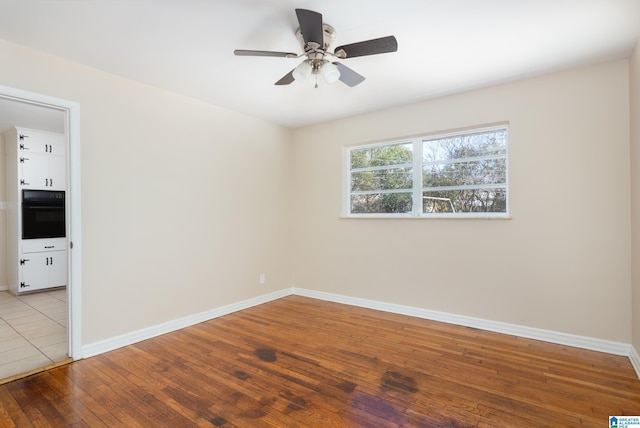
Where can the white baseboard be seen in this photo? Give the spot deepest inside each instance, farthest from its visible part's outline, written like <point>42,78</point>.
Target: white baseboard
<point>610,347</point>
<point>4,288</point>
<point>635,360</point>
<point>110,344</point>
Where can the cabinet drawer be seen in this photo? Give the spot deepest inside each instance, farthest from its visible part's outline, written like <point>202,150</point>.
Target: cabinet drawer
<point>37,245</point>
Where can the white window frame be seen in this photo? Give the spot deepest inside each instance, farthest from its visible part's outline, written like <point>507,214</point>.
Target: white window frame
<point>417,189</point>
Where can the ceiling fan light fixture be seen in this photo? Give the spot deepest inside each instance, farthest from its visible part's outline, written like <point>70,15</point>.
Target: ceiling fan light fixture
<point>303,71</point>
<point>315,38</point>
<point>330,72</point>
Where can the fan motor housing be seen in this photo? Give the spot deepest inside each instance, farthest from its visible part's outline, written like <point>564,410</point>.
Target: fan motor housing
<point>329,35</point>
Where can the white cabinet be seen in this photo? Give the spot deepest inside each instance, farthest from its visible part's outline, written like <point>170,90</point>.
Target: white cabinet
<point>34,275</point>
<point>31,141</point>
<point>42,172</point>
<point>46,269</point>
<point>35,160</point>
<point>42,160</point>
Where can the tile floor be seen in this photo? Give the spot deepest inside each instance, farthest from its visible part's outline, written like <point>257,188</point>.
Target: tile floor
<point>33,331</point>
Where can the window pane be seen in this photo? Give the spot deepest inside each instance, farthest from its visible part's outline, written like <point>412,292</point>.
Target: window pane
<point>463,173</point>
<point>383,179</point>
<point>465,146</point>
<point>382,156</point>
<point>399,203</point>
<point>489,171</point>
<point>465,201</point>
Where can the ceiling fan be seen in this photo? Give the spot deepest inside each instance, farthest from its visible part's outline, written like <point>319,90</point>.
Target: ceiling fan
<point>315,38</point>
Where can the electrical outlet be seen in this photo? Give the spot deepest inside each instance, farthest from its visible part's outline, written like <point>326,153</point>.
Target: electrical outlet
<point>263,278</point>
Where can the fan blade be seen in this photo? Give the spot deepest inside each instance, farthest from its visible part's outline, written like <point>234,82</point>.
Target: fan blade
<point>369,47</point>
<point>348,76</point>
<point>241,52</point>
<point>286,80</point>
<point>311,26</point>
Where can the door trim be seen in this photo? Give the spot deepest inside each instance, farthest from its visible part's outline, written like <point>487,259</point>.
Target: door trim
<point>72,126</point>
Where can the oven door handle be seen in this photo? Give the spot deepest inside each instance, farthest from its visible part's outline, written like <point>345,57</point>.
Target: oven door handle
<point>43,207</point>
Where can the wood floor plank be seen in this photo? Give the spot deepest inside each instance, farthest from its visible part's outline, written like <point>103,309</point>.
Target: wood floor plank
<point>11,414</point>
<point>299,362</point>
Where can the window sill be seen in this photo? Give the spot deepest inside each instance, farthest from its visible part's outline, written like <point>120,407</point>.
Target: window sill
<point>428,217</point>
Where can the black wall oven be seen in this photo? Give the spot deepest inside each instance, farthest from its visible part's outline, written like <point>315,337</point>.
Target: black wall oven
<point>43,214</point>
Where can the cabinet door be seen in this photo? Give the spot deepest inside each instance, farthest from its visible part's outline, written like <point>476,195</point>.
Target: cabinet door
<point>57,179</point>
<point>41,142</point>
<point>41,171</point>
<point>57,145</point>
<point>32,142</point>
<point>34,270</point>
<point>34,171</point>
<point>57,268</point>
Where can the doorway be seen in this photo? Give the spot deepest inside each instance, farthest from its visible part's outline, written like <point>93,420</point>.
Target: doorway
<point>41,112</point>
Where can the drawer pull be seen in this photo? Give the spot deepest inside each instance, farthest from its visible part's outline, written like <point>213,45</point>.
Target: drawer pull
<point>49,246</point>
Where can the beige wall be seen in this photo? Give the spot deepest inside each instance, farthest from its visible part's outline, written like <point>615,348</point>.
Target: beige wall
<point>184,204</point>
<point>634,81</point>
<point>561,263</point>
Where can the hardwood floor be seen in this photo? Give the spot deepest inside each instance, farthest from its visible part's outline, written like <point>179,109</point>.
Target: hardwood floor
<point>299,362</point>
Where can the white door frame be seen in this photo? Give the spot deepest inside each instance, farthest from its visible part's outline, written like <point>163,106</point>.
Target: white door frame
<point>72,125</point>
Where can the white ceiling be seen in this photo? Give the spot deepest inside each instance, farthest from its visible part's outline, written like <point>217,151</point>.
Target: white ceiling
<point>445,46</point>
<point>26,115</point>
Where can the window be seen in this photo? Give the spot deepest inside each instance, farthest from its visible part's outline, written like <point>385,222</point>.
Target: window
<point>453,175</point>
